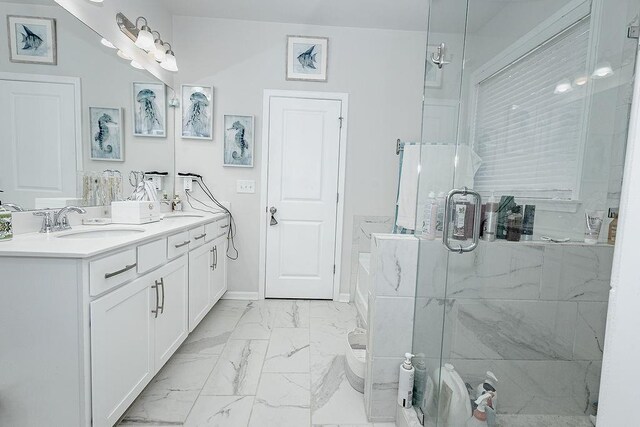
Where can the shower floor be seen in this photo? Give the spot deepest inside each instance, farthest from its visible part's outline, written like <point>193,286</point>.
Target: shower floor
<point>543,420</point>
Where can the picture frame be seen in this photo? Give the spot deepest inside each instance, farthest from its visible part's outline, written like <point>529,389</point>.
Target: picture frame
<point>106,126</point>
<point>433,74</point>
<point>197,112</point>
<point>307,58</point>
<point>32,40</point>
<point>239,137</point>
<point>149,109</point>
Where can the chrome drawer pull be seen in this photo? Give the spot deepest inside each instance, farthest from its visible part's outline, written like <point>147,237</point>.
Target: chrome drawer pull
<point>202,236</point>
<point>224,226</point>
<point>115,273</point>
<point>179,245</point>
<point>161,283</point>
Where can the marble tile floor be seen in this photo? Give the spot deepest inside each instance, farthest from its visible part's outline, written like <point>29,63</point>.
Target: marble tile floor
<point>271,363</point>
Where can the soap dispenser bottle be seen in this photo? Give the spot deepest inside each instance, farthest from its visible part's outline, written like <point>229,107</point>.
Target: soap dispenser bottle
<point>479,418</point>
<point>405,383</point>
<point>489,386</point>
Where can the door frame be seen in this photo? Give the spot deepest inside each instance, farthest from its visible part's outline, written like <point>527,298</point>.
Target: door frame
<point>264,179</point>
<point>77,93</point>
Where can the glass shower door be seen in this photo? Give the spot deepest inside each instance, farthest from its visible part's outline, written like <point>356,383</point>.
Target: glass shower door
<point>525,120</point>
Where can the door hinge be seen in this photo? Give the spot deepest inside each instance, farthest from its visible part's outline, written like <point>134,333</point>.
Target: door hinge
<point>341,119</point>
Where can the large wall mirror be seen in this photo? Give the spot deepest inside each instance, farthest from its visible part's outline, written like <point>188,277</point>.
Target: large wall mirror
<point>78,123</point>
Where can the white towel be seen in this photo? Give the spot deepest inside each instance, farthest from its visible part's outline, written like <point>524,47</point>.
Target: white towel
<point>408,193</point>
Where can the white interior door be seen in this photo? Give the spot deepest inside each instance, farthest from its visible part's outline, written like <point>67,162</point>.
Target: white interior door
<point>37,141</point>
<point>304,154</point>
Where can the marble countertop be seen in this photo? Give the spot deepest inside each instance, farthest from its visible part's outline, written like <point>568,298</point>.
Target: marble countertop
<point>51,246</point>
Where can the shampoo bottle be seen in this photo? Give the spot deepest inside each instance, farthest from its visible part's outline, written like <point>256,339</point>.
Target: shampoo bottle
<point>490,220</point>
<point>430,217</point>
<point>405,382</point>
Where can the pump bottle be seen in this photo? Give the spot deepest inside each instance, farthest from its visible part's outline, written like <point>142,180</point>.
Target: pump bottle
<point>405,383</point>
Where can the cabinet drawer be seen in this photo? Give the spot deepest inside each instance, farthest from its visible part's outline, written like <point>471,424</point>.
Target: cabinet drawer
<point>216,229</point>
<point>111,271</point>
<point>178,244</point>
<point>151,255</point>
<point>197,236</point>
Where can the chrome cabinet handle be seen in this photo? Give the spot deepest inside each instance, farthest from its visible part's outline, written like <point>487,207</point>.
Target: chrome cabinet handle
<point>185,243</point>
<point>213,257</point>
<point>115,273</point>
<point>224,226</point>
<point>155,312</point>
<point>476,220</point>
<point>161,283</point>
<point>202,236</point>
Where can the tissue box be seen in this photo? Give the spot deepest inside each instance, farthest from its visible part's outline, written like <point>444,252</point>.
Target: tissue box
<point>135,212</point>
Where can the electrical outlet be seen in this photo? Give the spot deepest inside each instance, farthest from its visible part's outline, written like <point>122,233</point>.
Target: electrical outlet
<point>245,186</point>
<point>187,184</point>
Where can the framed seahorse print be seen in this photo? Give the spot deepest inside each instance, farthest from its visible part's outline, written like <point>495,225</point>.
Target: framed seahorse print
<point>107,137</point>
<point>238,141</point>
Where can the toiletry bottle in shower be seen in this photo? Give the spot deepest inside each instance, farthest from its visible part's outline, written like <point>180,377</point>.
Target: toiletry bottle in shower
<point>527,222</point>
<point>430,217</point>
<point>491,220</point>
<point>440,215</point>
<point>459,220</point>
<point>489,385</point>
<point>613,226</point>
<point>405,382</point>
<point>514,224</point>
<point>505,206</point>
<point>479,418</point>
<point>593,224</point>
<point>469,218</point>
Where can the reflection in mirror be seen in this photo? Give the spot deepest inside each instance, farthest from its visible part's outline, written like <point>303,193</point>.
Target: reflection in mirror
<point>75,131</point>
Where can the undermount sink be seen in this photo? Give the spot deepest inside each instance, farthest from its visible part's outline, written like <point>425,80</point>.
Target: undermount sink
<point>100,234</point>
<point>176,216</point>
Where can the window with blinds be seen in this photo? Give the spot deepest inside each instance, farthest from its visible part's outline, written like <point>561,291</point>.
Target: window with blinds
<point>529,119</point>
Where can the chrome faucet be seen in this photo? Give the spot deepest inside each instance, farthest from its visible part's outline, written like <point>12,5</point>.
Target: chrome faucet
<point>13,206</point>
<point>60,220</point>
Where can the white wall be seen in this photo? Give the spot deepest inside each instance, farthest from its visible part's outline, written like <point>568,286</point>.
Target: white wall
<point>106,81</point>
<point>382,72</point>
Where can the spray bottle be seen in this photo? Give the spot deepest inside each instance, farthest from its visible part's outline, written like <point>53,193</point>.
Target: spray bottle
<point>405,383</point>
<point>479,418</point>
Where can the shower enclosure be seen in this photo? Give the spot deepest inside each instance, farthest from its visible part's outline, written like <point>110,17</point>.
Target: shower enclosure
<point>530,99</point>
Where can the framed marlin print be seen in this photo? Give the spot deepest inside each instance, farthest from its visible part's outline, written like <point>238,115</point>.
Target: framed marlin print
<point>307,58</point>
<point>32,40</point>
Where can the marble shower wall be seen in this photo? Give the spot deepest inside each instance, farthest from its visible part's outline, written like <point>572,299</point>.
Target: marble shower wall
<point>363,228</point>
<point>532,313</point>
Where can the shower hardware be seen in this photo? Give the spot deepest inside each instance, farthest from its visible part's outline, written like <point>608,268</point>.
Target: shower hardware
<point>446,240</point>
<point>633,32</point>
<point>273,211</point>
<point>438,57</point>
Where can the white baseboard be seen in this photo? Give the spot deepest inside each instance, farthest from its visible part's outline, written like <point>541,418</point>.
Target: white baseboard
<point>344,297</point>
<point>250,296</point>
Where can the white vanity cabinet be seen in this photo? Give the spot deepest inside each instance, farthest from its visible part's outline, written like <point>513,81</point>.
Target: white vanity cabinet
<point>100,324</point>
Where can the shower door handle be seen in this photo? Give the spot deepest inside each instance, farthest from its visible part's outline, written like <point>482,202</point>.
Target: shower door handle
<point>446,240</point>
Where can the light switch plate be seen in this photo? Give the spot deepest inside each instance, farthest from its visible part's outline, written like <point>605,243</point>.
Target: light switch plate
<point>246,186</point>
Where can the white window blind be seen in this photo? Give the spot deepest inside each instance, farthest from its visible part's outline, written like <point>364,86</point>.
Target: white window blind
<point>528,137</point>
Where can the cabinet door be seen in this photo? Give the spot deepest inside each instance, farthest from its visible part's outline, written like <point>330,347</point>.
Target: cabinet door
<point>121,349</point>
<point>200,262</point>
<point>219,277</point>
<point>171,324</point>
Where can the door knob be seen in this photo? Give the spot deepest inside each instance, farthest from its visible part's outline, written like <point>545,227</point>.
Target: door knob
<point>273,211</point>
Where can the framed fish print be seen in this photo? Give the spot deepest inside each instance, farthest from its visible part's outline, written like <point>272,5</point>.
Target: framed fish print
<point>238,141</point>
<point>197,112</point>
<point>32,40</point>
<point>307,58</point>
<point>149,110</point>
<point>107,138</point>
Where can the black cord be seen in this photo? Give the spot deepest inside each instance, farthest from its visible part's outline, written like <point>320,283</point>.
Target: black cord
<point>231,233</point>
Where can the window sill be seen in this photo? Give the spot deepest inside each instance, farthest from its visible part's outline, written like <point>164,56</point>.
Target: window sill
<point>569,206</point>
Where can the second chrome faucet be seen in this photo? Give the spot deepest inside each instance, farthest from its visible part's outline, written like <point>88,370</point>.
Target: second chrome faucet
<point>59,221</point>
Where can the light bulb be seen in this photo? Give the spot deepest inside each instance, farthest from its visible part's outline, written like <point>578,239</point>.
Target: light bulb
<point>170,63</point>
<point>563,86</point>
<point>124,56</point>
<point>602,70</point>
<point>581,80</point>
<point>107,43</point>
<point>145,39</point>
<point>136,64</point>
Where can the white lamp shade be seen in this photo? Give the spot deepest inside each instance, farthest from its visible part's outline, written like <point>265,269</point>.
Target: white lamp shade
<point>124,56</point>
<point>602,70</point>
<point>136,64</point>
<point>145,39</point>
<point>107,43</point>
<point>170,63</point>
<point>160,52</point>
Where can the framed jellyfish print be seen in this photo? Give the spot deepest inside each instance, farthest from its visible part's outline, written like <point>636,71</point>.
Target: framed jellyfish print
<point>197,112</point>
<point>149,110</point>
<point>32,40</point>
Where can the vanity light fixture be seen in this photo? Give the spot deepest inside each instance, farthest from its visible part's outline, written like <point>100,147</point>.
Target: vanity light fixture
<point>148,40</point>
<point>563,86</point>
<point>136,64</point>
<point>107,43</point>
<point>602,70</point>
<point>581,80</point>
<point>145,38</point>
<point>159,51</point>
